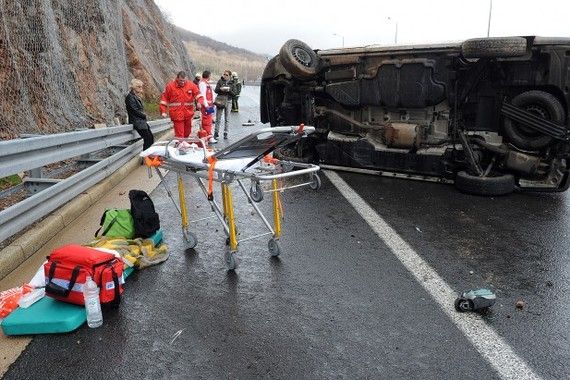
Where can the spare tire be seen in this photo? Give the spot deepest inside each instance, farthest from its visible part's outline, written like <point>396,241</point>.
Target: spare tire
<point>493,185</point>
<point>494,47</point>
<point>541,104</point>
<point>299,59</point>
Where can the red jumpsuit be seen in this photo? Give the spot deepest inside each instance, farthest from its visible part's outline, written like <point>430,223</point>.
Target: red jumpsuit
<point>208,95</point>
<point>180,103</point>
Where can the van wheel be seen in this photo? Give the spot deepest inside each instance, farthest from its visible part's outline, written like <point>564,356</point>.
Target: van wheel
<point>541,104</point>
<point>494,47</point>
<point>299,59</point>
<point>493,185</point>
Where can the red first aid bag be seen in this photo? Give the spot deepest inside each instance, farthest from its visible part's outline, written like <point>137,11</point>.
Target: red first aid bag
<point>67,269</point>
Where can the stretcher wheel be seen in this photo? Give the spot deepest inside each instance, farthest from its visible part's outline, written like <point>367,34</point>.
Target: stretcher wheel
<point>274,248</point>
<point>256,193</point>
<point>231,260</point>
<point>191,239</point>
<point>315,183</point>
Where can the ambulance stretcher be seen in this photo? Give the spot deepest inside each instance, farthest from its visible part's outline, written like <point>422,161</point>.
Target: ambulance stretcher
<point>246,160</point>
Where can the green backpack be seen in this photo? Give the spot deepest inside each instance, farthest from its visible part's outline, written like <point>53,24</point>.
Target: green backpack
<point>117,223</point>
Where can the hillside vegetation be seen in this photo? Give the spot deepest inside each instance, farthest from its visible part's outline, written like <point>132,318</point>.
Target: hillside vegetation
<point>209,54</point>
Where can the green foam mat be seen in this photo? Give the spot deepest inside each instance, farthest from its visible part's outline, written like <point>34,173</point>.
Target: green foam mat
<point>49,316</point>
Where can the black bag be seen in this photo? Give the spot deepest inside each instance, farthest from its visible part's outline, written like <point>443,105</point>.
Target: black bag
<point>221,101</point>
<point>144,216</point>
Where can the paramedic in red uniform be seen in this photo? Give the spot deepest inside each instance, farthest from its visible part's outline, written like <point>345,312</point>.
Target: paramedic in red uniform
<point>178,97</point>
<point>208,108</point>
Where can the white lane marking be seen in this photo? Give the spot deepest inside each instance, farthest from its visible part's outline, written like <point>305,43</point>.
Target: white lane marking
<point>482,336</point>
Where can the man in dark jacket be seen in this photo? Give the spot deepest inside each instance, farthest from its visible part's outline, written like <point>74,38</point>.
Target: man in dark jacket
<point>135,110</point>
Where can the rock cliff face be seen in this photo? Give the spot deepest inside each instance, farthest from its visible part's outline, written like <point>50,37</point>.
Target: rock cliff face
<point>67,64</point>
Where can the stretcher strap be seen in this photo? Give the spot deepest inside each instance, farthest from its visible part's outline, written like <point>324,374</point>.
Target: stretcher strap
<point>212,161</point>
<point>153,161</point>
<point>270,160</point>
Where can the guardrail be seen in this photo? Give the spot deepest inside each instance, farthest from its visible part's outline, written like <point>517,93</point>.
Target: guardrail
<point>31,153</point>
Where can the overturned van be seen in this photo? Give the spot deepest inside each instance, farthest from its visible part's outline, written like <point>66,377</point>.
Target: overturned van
<point>489,114</point>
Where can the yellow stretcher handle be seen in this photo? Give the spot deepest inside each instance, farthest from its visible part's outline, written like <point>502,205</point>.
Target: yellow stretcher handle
<point>276,209</point>
<point>182,199</point>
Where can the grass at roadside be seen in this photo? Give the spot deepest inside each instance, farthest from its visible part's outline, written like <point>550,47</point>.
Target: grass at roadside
<point>10,181</point>
<point>151,109</point>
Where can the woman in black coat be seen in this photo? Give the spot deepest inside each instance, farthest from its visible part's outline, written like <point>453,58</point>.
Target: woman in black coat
<point>135,110</point>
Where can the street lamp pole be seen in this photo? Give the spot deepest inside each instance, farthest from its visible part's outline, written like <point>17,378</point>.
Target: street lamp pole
<point>396,31</point>
<point>396,34</point>
<point>489,23</point>
<point>338,35</point>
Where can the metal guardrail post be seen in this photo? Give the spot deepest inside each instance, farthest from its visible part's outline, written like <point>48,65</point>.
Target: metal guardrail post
<point>36,172</point>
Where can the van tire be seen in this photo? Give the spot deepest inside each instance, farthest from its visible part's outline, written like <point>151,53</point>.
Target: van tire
<point>547,106</point>
<point>494,47</point>
<point>493,185</point>
<point>299,59</point>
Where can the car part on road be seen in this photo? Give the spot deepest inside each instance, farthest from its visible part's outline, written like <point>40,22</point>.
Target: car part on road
<point>474,300</point>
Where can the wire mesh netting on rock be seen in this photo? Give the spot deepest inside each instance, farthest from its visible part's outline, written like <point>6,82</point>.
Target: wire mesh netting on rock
<point>66,64</point>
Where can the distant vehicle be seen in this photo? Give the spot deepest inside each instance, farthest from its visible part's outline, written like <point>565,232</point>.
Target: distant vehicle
<point>489,114</point>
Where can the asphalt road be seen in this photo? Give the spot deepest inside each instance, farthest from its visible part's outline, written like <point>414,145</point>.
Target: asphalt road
<point>338,302</point>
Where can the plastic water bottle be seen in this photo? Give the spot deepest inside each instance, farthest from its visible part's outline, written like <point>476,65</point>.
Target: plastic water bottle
<point>92,303</point>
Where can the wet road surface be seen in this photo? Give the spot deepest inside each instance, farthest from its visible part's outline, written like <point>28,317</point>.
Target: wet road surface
<point>337,302</point>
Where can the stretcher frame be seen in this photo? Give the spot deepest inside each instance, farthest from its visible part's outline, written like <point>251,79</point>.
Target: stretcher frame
<point>254,170</point>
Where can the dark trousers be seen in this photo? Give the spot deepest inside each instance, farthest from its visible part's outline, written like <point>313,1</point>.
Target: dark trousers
<point>235,105</point>
<point>148,138</point>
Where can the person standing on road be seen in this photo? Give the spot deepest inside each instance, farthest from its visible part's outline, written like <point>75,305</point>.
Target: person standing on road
<point>208,109</point>
<point>197,79</point>
<point>135,110</point>
<point>222,101</point>
<point>178,97</point>
<point>236,90</point>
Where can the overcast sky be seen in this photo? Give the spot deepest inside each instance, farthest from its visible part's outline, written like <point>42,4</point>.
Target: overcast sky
<point>263,26</point>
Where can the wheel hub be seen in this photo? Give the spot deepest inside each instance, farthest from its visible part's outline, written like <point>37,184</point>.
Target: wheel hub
<point>302,56</point>
<point>537,111</point>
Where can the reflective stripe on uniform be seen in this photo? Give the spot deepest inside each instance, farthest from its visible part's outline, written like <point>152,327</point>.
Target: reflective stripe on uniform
<point>179,104</point>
